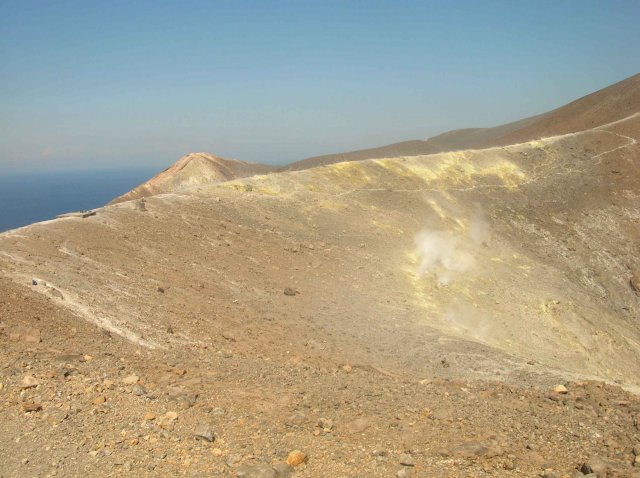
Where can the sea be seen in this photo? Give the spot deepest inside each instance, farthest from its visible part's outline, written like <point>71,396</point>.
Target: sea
<point>28,197</point>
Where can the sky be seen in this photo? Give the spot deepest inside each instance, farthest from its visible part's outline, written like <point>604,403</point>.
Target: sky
<point>122,84</point>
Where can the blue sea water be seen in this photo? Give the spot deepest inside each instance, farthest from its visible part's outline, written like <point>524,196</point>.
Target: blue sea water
<point>31,197</point>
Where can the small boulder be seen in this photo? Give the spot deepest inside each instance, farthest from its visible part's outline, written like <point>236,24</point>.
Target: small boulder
<point>130,380</point>
<point>205,433</point>
<point>29,381</point>
<point>561,389</point>
<point>296,457</point>
<point>283,470</point>
<point>31,407</point>
<point>407,460</point>
<point>138,390</point>
<point>233,459</point>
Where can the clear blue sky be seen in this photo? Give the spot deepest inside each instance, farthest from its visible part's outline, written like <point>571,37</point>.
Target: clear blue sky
<point>91,84</point>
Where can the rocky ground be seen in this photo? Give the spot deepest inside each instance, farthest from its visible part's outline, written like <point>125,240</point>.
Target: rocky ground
<point>79,403</point>
<point>472,313</point>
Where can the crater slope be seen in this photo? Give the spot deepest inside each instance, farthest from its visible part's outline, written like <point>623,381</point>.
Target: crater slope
<point>467,313</point>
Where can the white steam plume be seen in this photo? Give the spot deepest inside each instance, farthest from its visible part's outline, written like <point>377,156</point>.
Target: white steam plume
<point>447,255</point>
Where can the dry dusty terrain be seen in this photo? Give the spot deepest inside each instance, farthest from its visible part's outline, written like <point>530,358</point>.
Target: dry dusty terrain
<point>469,313</point>
<point>191,170</point>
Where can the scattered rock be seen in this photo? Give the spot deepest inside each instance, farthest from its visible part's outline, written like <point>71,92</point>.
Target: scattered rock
<point>469,450</point>
<point>560,389</point>
<point>25,334</point>
<point>205,433</point>
<point>358,425</point>
<point>99,400</point>
<point>290,291</point>
<point>138,390</point>
<point>171,416</point>
<point>326,424</point>
<point>229,336</point>
<point>149,416</point>
<point>130,380</point>
<point>596,466</point>
<point>404,472</point>
<point>296,457</point>
<point>31,407</point>
<point>29,381</point>
<point>233,459</point>
<point>283,470</point>
<point>407,460</point>
<point>296,420</point>
<point>347,368</point>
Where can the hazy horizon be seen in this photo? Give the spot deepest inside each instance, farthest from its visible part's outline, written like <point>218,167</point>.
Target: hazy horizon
<point>116,85</point>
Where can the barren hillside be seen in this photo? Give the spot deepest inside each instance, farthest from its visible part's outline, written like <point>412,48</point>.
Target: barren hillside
<point>468,313</point>
<point>192,170</point>
<point>604,106</point>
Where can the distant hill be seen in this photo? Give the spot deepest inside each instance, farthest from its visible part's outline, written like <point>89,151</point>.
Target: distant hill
<point>604,106</point>
<point>192,170</point>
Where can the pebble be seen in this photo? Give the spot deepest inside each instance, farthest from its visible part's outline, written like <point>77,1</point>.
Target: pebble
<point>204,433</point>
<point>138,390</point>
<point>29,381</point>
<point>283,470</point>
<point>170,416</point>
<point>404,472</point>
<point>130,380</point>
<point>149,416</point>
<point>233,459</point>
<point>407,460</point>
<point>31,407</point>
<point>560,389</point>
<point>596,466</point>
<point>326,424</point>
<point>99,400</point>
<point>296,457</point>
<point>289,291</point>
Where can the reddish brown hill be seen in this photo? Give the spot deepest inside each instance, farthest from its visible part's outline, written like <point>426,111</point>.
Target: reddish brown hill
<point>604,106</point>
<point>192,170</point>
